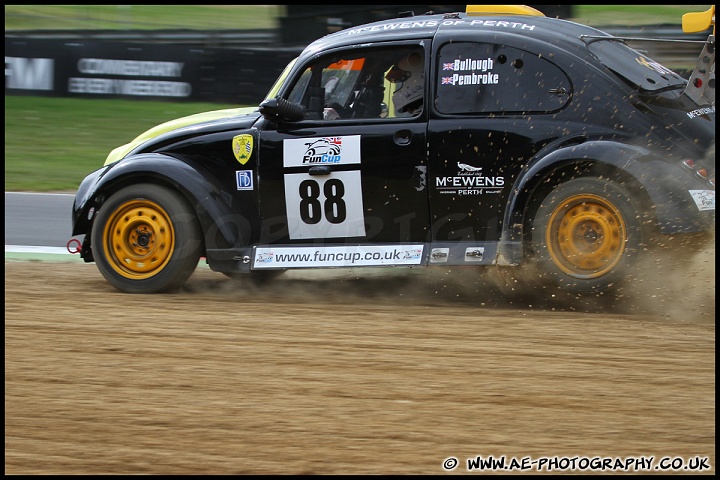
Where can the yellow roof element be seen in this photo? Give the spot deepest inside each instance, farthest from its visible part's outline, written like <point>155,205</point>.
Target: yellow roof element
<point>699,21</point>
<point>503,10</point>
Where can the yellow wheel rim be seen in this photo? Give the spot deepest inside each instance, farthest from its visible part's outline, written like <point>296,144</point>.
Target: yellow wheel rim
<point>139,239</point>
<point>586,236</point>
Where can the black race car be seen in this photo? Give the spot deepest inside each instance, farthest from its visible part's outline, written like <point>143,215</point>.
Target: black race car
<point>495,137</point>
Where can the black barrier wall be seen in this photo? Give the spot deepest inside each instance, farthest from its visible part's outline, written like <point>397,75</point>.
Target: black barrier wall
<point>96,69</point>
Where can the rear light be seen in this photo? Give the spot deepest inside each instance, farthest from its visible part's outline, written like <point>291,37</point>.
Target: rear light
<point>699,171</point>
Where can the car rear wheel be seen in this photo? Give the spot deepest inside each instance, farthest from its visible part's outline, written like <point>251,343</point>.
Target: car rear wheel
<point>586,234</point>
<point>146,239</point>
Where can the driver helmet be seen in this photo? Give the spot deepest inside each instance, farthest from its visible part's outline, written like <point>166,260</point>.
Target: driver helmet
<point>409,77</point>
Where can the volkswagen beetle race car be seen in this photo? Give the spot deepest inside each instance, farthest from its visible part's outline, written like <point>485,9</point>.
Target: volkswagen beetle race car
<point>495,137</point>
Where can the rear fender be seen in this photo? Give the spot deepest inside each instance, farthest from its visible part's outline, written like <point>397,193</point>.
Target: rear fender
<point>665,185</point>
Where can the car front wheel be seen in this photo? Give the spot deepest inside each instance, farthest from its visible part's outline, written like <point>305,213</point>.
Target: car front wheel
<point>146,239</point>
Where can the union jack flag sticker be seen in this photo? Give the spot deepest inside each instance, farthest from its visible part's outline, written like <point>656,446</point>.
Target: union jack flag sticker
<point>448,66</point>
<point>447,80</point>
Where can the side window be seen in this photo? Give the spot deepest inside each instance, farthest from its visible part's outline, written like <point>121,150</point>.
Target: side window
<point>339,79</point>
<point>486,78</point>
<point>372,83</point>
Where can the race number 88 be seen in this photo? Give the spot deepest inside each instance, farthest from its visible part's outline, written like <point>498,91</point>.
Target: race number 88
<point>334,205</point>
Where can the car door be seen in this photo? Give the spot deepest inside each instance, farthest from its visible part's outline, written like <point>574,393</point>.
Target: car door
<point>357,177</point>
<point>494,106</point>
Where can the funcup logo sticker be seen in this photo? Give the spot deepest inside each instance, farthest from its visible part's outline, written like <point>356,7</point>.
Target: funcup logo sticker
<point>321,151</point>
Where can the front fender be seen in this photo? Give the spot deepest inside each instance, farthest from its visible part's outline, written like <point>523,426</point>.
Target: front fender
<point>224,218</point>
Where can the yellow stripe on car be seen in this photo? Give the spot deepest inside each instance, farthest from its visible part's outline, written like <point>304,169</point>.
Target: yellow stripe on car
<point>158,130</point>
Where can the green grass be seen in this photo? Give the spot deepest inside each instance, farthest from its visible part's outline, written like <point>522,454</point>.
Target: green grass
<point>599,15</point>
<point>52,143</point>
<point>140,17</point>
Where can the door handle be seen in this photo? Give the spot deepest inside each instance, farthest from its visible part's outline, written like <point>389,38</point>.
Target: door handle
<point>402,137</point>
<point>319,170</point>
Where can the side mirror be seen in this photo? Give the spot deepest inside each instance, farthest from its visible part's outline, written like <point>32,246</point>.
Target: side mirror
<point>280,109</point>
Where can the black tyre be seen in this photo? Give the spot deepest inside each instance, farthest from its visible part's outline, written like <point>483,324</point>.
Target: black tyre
<point>146,239</point>
<point>586,234</point>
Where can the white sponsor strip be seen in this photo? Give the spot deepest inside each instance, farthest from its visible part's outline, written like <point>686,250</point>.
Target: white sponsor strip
<point>348,256</point>
<point>704,199</point>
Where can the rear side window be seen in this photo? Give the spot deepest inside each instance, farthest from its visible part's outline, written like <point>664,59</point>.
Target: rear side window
<point>490,79</point>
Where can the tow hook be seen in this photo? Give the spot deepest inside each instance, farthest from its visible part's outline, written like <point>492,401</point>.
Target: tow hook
<point>74,246</point>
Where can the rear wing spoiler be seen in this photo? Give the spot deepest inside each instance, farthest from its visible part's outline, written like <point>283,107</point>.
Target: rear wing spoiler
<point>701,86</point>
<point>694,22</point>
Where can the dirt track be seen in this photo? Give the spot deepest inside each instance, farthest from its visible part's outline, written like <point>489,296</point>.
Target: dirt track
<point>350,373</point>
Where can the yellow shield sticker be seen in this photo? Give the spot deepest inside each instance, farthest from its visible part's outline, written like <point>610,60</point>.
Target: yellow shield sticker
<point>242,146</point>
